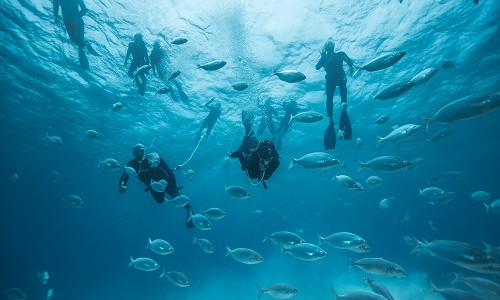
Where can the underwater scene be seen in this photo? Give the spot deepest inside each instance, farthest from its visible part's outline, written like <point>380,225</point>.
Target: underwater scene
<point>250,149</point>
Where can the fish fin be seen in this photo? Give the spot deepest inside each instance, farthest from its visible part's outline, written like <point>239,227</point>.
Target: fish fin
<point>290,121</point>
<point>266,236</point>
<point>261,291</point>
<point>195,239</point>
<point>418,245</point>
<point>427,122</point>
<point>379,140</point>
<point>321,239</point>
<point>488,207</point>
<point>149,243</point>
<point>487,247</point>
<point>455,278</point>
<point>361,165</point>
<point>131,261</point>
<point>432,287</point>
<point>99,162</point>
<point>228,251</point>
<point>356,69</point>
<point>292,163</point>
<point>163,273</point>
<point>334,294</point>
<point>330,138</point>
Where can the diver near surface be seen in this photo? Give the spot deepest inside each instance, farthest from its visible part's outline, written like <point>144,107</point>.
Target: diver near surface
<point>140,57</point>
<point>258,159</point>
<point>147,172</point>
<point>209,121</point>
<point>335,76</point>
<point>290,108</point>
<point>156,58</point>
<point>267,117</point>
<point>72,19</point>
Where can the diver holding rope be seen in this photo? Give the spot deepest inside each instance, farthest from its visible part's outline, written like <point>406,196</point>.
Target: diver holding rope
<point>148,173</point>
<point>258,159</point>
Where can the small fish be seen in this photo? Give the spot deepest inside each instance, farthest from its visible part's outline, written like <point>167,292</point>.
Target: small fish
<point>400,134</point>
<point>143,264</point>
<point>177,278</point>
<point>130,172</point>
<point>424,76</point>
<point>447,64</point>
<point>290,76</point>
<point>432,193</point>
<point>240,86</point>
<point>385,164</point>
<point>340,134</point>
<point>214,213</point>
<point>92,134</point>
<point>480,196</point>
<point>108,164</point>
<point>179,201</point>
<point>15,177</point>
<point>163,90</point>
<point>213,65</point>
<point>43,277</point>
<point>53,140</point>
<point>200,221</point>
<point>359,142</point>
<point>189,173</point>
<point>73,200</point>
<point>117,106</point>
<point>493,206</point>
<point>160,246</point>
<point>374,181</point>
<point>205,245</point>
<point>55,176</point>
<point>345,181</point>
<point>237,192</point>
<point>385,203</point>
<point>174,75</point>
<point>306,117</point>
<point>381,62</point>
<point>305,252</point>
<point>382,119</point>
<point>153,158</point>
<point>487,287</point>
<point>278,291</point>
<point>315,161</point>
<point>179,41</point>
<point>50,294</point>
<point>406,218</point>
<point>158,186</point>
<point>379,266</point>
<point>379,288</point>
<point>356,295</point>
<point>394,90</point>
<point>440,135</point>
<point>284,239</point>
<point>345,240</point>
<point>453,293</point>
<point>142,70</point>
<point>244,255</point>
<point>432,225</point>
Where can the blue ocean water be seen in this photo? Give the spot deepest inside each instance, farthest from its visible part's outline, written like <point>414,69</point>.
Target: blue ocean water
<point>86,250</point>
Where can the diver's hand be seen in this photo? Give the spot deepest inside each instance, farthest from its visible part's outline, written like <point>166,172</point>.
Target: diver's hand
<point>351,71</point>
<point>122,189</point>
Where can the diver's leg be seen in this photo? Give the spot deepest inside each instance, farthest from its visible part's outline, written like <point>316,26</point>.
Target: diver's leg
<point>84,62</point>
<point>159,197</point>
<point>247,119</point>
<point>262,126</point>
<point>345,122</point>
<point>330,91</point>
<point>142,87</point>
<point>131,70</point>
<point>270,125</point>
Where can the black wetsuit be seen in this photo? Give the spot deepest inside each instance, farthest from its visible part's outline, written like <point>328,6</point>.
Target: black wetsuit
<point>209,121</point>
<point>146,172</point>
<point>139,58</point>
<point>156,58</point>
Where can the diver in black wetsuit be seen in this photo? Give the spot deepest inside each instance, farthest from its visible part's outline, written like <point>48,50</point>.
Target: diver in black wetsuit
<point>140,58</point>
<point>267,117</point>
<point>156,58</point>
<point>209,121</point>
<point>335,76</point>
<point>291,108</point>
<point>147,172</point>
<point>72,18</point>
<point>258,159</point>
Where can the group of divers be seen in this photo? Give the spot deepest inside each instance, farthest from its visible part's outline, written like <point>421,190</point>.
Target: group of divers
<point>259,160</point>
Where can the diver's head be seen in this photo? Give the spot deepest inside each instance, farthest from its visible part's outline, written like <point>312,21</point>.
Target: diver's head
<point>139,152</point>
<point>329,46</point>
<point>217,105</point>
<point>138,38</point>
<point>266,151</point>
<point>156,45</point>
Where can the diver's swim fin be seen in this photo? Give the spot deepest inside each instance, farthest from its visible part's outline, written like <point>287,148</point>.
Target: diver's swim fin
<point>345,125</point>
<point>90,49</point>
<point>84,62</point>
<point>330,136</point>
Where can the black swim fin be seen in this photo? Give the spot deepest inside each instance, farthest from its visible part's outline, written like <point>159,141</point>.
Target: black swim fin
<point>345,125</point>
<point>84,62</point>
<point>90,49</point>
<point>330,137</point>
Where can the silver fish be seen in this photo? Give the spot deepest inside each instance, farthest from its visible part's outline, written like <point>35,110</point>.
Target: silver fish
<point>345,181</point>
<point>200,221</point>
<point>160,246</point>
<point>345,240</point>
<point>306,117</point>
<point>213,65</point>
<point>92,134</point>
<point>440,135</point>
<point>179,201</point>
<point>374,181</point>
<point>305,251</point>
<point>484,286</point>
<point>143,264</point>
<point>465,108</point>
<point>400,134</point>
<point>284,239</point>
<point>385,203</point>
<point>117,106</point>
<point>290,76</point>
<point>278,291</point>
<point>240,86</point>
<point>356,295</point>
<point>174,75</point>
<point>381,120</point>
<point>177,278</point>
<point>394,90</point>
<point>244,255</point>
<point>130,171</point>
<point>379,266</point>
<point>385,164</point>
<point>315,160</point>
<point>452,293</point>
<point>108,164</point>
<point>43,277</point>
<point>50,294</point>
<point>237,192</point>
<point>424,76</point>
<point>73,200</point>
<point>381,62</point>
<point>480,196</point>
<point>379,288</point>
<point>179,41</point>
<point>142,70</point>
<point>53,140</point>
<point>432,193</point>
<point>153,158</point>
<point>204,244</point>
<point>163,90</point>
<point>214,213</point>
<point>158,186</point>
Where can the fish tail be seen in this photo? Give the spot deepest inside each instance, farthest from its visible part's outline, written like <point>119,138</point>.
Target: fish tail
<point>356,70</point>
<point>334,294</point>
<point>266,236</point>
<point>273,72</point>
<point>195,239</point>
<point>149,243</point>
<point>488,207</point>
<point>361,164</point>
<point>163,274</point>
<point>455,278</point>
<point>379,140</point>
<point>290,121</point>
<point>292,163</point>
<point>99,162</point>
<point>131,261</point>
<point>418,245</point>
<point>261,291</point>
<point>432,287</point>
<point>427,122</point>
<point>228,251</point>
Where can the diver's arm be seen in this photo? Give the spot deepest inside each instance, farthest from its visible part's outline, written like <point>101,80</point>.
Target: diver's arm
<point>348,60</point>
<point>207,105</point>
<point>55,8</point>
<point>129,50</point>
<point>83,8</point>
<point>122,183</point>
<point>321,62</point>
